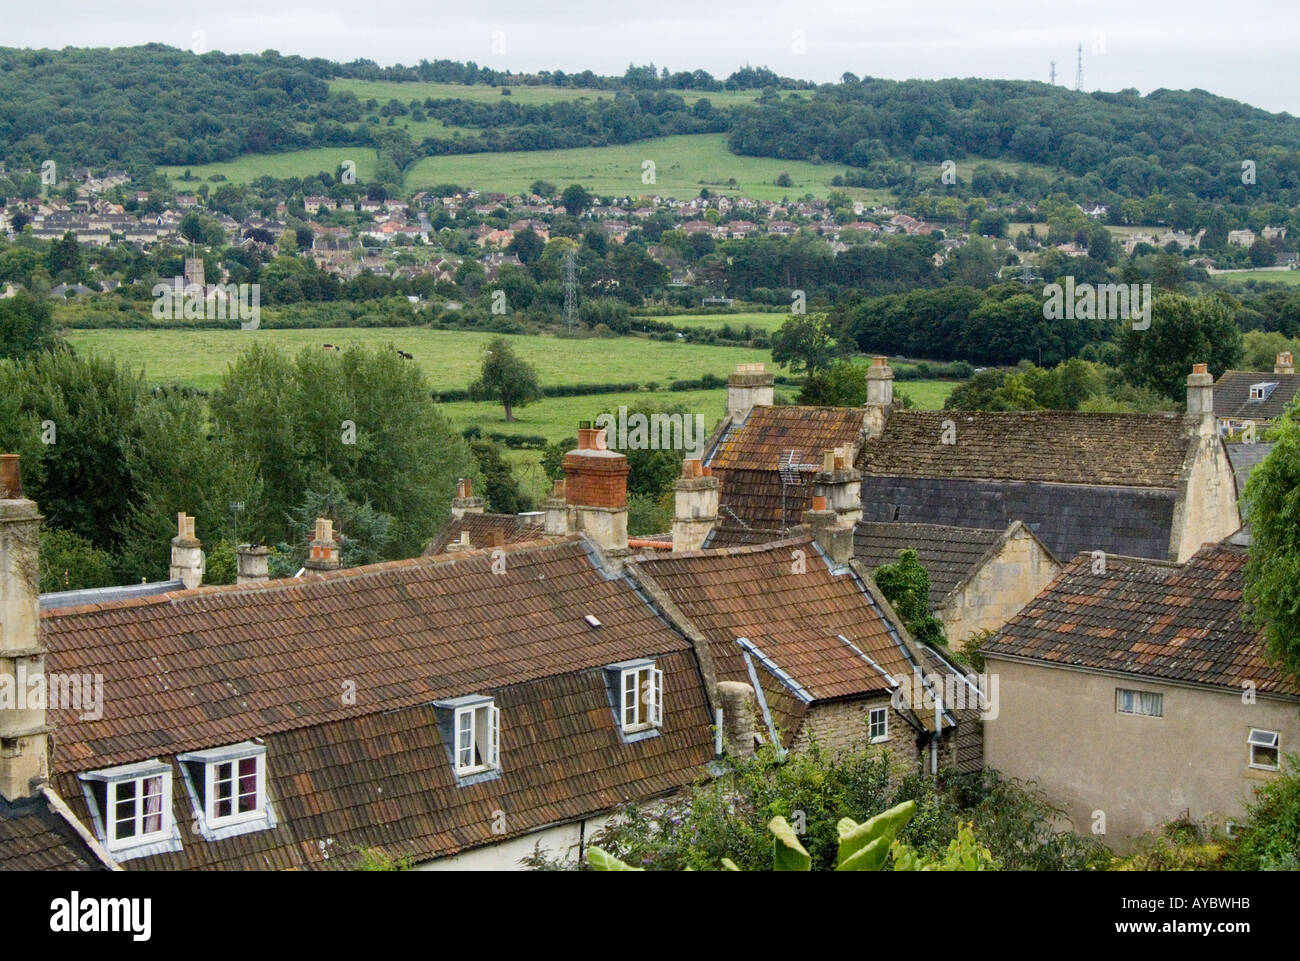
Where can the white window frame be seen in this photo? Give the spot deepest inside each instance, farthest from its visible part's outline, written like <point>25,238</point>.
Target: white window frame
<point>477,730</point>
<point>871,724</point>
<point>1260,738</point>
<point>210,794</point>
<point>111,786</point>
<point>1136,702</point>
<point>641,698</point>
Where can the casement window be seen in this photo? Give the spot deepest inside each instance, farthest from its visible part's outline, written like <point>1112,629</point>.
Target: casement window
<point>1143,703</point>
<point>1262,391</point>
<point>878,724</point>
<point>642,702</point>
<point>1265,747</point>
<point>636,696</point>
<point>478,738</point>
<point>229,783</point>
<point>132,804</point>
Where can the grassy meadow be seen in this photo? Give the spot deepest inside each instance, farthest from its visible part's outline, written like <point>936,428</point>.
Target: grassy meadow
<point>405,92</point>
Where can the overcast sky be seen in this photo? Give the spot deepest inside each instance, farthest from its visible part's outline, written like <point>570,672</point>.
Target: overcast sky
<point>1245,49</point>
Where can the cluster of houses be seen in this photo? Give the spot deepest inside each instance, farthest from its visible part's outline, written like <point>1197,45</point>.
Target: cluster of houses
<point>512,689</point>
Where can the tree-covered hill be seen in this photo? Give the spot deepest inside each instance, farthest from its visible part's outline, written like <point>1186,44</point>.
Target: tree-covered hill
<point>158,105</point>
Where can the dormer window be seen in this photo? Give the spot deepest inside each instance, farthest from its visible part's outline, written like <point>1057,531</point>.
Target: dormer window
<point>228,784</point>
<point>640,695</point>
<point>478,742</point>
<point>1262,391</point>
<point>132,805</point>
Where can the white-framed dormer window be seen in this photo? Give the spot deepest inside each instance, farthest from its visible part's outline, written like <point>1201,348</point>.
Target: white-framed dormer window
<point>230,783</point>
<point>1143,703</point>
<point>1265,749</point>
<point>878,724</point>
<point>478,738</point>
<point>641,696</point>
<point>1262,391</point>
<point>134,804</point>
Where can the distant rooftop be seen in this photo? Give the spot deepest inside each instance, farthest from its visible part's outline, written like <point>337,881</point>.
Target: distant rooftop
<point>103,595</point>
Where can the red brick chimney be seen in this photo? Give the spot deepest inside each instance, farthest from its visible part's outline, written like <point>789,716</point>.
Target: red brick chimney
<point>595,489</point>
<point>465,502</point>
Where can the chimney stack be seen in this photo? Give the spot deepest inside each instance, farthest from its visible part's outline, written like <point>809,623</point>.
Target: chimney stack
<point>696,506</point>
<point>24,749</point>
<point>465,502</point>
<point>556,511</point>
<point>749,387</point>
<point>187,553</point>
<point>841,486</point>
<point>880,397</point>
<point>740,724</point>
<point>595,490</point>
<point>1285,363</point>
<point>834,539</point>
<point>323,551</point>
<point>1200,400</point>
<point>251,564</point>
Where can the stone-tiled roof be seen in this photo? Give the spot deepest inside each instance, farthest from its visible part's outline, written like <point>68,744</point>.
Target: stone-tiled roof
<point>1172,622</point>
<point>1232,394</point>
<point>1063,447</point>
<point>948,554</point>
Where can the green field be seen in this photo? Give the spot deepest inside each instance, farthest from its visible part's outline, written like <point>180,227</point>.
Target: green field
<point>1263,276</point>
<point>683,165</point>
<point>766,322</point>
<point>450,358</point>
<point>405,92</point>
<point>294,163</point>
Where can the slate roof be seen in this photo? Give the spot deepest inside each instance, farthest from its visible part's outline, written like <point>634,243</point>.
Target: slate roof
<point>1232,394</point>
<point>771,431</point>
<point>795,619</point>
<point>218,665</point>
<point>34,838</point>
<point>1244,458</point>
<point>1062,447</point>
<point>1172,622</point>
<point>948,554</point>
<point>483,528</point>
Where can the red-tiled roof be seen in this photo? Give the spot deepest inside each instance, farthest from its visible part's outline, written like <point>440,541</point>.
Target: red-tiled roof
<point>1179,623</point>
<point>784,599</point>
<point>212,666</point>
<point>483,529</point>
<point>769,432</point>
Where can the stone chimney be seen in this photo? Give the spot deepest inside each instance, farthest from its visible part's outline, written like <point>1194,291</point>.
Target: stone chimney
<point>1285,363</point>
<point>740,724</point>
<point>749,387</point>
<point>465,502</point>
<point>880,397</point>
<point>251,564</point>
<point>556,512</point>
<point>187,553</point>
<point>841,485</point>
<point>24,748</point>
<point>323,551</point>
<point>595,490</point>
<point>833,538</point>
<point>1200,400</point>
<point>696,499</point>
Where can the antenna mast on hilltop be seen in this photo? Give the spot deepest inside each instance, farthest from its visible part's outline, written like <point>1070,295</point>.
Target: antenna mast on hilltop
<point>1053,80</point>
<point>570,288</point>
<point>1078,73</point>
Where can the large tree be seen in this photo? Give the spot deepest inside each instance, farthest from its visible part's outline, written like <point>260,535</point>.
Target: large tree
<point>1184,331</point>
<point>803,343</point>
<point>1272,501</point>
<point>505,377</point>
